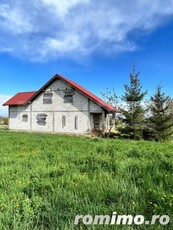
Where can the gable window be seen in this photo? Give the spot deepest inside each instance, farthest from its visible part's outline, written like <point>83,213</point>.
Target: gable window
<point>76,123</point>
<point>68,95</point>
<point>24,118</point>
<point>41,119</point>
<point>63,121</point>
<point>68,98</point>
<point>47,98</point>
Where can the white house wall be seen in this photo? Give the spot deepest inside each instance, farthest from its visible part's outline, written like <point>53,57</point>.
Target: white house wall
<point>81,107</point>
<point>42,128</point>
<point>95,108</point>
<point>15,117</point>
<point>83,122</point>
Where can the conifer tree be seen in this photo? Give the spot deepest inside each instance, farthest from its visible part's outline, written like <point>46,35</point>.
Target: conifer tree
<point>133,113</point>
<point>161,120</point>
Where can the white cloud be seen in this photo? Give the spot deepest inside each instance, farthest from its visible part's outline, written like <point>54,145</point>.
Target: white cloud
<point>4,109</point>
<point>43,29</point>
<point>62,7</point>
<point>13,20</point>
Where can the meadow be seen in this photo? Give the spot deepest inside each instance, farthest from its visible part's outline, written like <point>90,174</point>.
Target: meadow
<point>47,179</point>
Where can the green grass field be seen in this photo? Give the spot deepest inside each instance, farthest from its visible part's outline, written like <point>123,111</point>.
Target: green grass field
<point>46,180</point>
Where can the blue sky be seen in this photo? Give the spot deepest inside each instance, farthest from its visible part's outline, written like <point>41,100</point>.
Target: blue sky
<point>90,43</point>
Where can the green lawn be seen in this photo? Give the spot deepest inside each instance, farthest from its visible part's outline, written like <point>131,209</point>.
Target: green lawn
<point>46,180</point>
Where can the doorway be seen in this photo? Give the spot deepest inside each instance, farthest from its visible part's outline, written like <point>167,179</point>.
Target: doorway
<point>96,119</point>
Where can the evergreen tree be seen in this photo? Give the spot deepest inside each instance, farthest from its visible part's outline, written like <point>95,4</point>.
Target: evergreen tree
<point>161,120</point>
<point>133,114</point>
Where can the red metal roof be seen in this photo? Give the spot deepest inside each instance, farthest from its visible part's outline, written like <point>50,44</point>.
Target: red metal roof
<point>90,95</point>
<point>20,98</point>
<point>24,98</point>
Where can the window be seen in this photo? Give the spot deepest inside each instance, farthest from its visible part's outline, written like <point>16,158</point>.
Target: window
<point>76,123</point>
<point>68,97</point>
<point>24,118</point>
<point>63,121</point>
<point>41,119</point>
<point>47,98</point>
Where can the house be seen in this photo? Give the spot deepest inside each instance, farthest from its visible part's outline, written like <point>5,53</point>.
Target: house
<point>60,106</point>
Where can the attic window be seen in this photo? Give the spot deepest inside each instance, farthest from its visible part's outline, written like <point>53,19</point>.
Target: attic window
<point>68,97</point>
<point>41,119</point>
<point>24,118</point>
<point>47,98</point>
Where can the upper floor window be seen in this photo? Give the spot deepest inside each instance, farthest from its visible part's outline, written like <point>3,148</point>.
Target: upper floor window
<point>47,98</point>
<point>68,95</point>
<point>68,98</point>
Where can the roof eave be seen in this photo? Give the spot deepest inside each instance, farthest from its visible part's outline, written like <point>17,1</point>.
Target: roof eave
<point>6,104</point>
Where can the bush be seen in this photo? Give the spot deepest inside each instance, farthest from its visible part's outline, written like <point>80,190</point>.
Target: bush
<point>5,120</point>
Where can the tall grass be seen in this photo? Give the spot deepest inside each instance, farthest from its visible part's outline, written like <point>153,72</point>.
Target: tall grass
<point>46,180</point>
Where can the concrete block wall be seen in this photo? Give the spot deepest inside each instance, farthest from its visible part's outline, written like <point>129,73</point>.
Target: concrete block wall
<point>15,117</point>
<point>81,107</point>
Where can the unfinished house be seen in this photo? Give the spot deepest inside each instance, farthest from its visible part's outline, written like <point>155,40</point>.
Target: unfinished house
<point>60,106</point>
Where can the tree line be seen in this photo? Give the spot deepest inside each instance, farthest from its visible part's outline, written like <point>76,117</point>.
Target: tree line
<point>152,120</point>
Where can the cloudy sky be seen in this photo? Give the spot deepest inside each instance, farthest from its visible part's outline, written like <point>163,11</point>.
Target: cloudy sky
<point>92,42</point>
